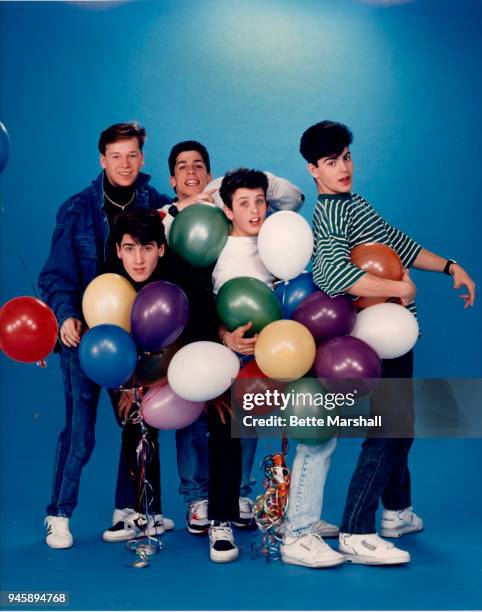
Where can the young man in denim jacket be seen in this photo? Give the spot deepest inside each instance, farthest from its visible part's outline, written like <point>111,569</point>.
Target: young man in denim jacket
<point>80,247</point>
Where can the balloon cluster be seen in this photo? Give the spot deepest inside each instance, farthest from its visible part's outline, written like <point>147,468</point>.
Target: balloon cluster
<point>110,355</point>
<point>319,332</point>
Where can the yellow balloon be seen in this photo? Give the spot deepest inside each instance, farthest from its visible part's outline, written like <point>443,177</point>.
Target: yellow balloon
<point>285,350</point>
<point>108,299</point>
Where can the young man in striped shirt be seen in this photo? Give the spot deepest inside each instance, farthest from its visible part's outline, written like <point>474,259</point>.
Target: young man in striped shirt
<point>341,221</point>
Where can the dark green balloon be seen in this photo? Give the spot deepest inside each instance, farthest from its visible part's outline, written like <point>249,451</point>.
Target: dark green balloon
<point>198,234</point>
<point>246,299</point>
<point>308,406</point>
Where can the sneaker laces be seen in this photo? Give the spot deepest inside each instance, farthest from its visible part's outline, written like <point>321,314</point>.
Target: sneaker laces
<point>380,542</point>
<point>314,539</point>
<point>199,508</point>
<point>58,525</point>
<point>222,531</point>
<point>245,504</point>
<point>136,520</point>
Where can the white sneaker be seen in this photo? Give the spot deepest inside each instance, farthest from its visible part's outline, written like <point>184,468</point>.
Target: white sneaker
<point>396,523</point>
<point>58,532</point>
<point>135,524</point>
<point>309,550</point>
<point>121,514</point>
<point>222,548</point>
<point>325,529</point>
<point>197,517</point>
<point>246,516</point>
<point>370,549</point>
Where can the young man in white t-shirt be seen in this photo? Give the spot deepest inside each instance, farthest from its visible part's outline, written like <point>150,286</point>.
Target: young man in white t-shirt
<point>244,195</point>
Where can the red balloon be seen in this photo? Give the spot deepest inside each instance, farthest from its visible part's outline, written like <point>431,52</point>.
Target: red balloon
<point>28,329</point>
<point>380,260</point>
<point>252,380</point>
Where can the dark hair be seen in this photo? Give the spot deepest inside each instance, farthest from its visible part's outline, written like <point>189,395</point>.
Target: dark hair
<point>121,131</point>
<point>143,224</point>
<point>237,179</point>
<point>188,145</point>
<point>324,139</point>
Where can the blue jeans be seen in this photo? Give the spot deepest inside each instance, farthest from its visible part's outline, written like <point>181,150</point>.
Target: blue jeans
<point>382,469</point>
<point>248,451</point>
<point>77,440</point>
<point>308,477</point>
<point>192,460</point>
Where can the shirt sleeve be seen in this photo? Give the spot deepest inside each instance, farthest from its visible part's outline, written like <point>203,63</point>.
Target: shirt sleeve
<point>282,194</point>
<point>333,271</point>
<point>406,248</point>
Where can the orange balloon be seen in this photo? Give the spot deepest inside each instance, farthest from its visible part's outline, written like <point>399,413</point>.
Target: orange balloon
<point>377,259</point>
<point>285,350</point>
<point>108,299</point>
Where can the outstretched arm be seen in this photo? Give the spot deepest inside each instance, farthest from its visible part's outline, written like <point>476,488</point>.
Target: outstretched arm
<point>426,260</point>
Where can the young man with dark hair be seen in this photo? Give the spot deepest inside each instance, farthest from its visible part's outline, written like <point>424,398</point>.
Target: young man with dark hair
<point>80,246</point>
<point>341,221</point>
<point>143,257</point>
<point>190,169</point>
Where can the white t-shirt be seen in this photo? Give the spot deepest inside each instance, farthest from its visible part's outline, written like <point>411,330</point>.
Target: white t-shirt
<point>240,257</point>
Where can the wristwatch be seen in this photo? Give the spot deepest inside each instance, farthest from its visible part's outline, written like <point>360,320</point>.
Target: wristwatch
<point>446,270</point>
<point>173,210</point>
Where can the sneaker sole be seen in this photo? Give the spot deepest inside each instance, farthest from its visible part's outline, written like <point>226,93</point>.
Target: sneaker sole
<point>328,533</point>
<point>398,533</point>
<point>195,531</point>
<point>222,556</point>
<point>328,563</point>
<point>113,538</point>
<point>362,560</point>
<point>58,546</point>
<point>248,526</point>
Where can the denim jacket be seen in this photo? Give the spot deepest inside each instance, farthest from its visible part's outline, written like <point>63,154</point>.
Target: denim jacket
<point>79,243</point>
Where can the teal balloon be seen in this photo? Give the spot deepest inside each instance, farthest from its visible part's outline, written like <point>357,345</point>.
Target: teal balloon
<point>309,399</point>
<point>246,299</point>
<point>198,234</point>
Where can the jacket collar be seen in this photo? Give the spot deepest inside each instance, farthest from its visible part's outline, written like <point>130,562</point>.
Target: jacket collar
<point>98,185</point>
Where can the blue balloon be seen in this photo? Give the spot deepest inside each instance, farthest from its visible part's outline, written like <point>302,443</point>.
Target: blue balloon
<point>291,293</point>
<point>4,146</point>
<point>108,355</point>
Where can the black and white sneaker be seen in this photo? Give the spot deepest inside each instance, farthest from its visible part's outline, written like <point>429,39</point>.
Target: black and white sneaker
<point>222,548</point>
<point>197,521</point>
<point>136,524</point>
<point>246,517</point>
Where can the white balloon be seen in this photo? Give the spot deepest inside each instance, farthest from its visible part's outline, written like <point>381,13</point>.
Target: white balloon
<point>285,244</point>
<point>390,329</point>
<point>201,371</point>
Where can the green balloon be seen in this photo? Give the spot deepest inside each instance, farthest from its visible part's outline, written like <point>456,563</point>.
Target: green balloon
<point>198,234</point>
<point>246,299</point>
<point>308,399</point>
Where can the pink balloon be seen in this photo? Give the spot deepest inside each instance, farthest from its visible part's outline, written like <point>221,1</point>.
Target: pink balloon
<point>163,409</point>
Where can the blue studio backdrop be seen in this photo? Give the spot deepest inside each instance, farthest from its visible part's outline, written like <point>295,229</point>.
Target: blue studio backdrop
<point>246,79</point>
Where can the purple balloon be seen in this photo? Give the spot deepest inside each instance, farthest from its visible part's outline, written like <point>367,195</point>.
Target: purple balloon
<point>163,409</point>
<point>159,315</point>
<point>341,360</point>
<point>326,317</point>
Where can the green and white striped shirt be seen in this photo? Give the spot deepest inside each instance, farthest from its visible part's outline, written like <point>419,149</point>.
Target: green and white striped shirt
<point>342,222</point>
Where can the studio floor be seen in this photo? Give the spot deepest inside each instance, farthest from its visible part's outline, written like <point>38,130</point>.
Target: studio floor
<point>445,571</point>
